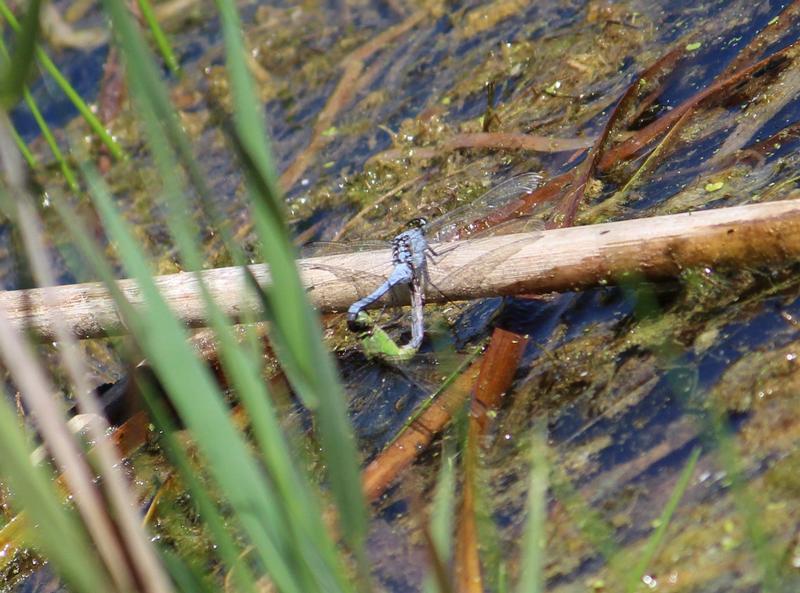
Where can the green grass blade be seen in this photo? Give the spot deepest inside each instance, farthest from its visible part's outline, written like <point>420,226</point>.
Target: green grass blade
<point>95,124</point>
<point>199,403</point>
<point>684,382</point>
<point>236,473</point>
<point>159,37</point>
<point>590,522</point>
<point>169,173</point>
<point>297,334</point>
<point>767,557</point>
<point>442,514</point>
<point>29,157</point>
<point>146,82</point>
<point>187,578</point>
<point>69,175</point>
<point>657,537</point>
<point>216,524</point>
<point>66,170</point>
<point>311,542</point>
<point>533,546</point>
<point>17,68</point>
<point>302,513</point>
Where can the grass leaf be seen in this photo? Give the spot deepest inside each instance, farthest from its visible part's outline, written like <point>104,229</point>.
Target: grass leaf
<point>297,332</point>
<point>15,72</point>
<point>657,537</point>
<point>532,559</point>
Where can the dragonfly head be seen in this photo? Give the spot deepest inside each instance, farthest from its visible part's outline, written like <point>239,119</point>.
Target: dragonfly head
<point>417,223</point>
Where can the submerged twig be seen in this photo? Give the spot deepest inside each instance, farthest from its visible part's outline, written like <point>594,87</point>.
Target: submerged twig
<point>646,135</point>
<point>623,114</point>
<point>487,140</point>
<point>607,206</point>
<point>498,367</point>
<point>383,470</point>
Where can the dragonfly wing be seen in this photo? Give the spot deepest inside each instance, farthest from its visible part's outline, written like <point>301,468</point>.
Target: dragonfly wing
<point>479,268</point>
<point>319,248</point>
<point>373,277</point>
<point>519,224</point>
<point>459,223</point>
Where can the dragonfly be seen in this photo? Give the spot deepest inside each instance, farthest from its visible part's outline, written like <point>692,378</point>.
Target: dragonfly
<point>413,249</point>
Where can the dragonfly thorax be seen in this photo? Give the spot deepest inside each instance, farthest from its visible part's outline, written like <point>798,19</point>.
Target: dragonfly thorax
<point>409,247</point>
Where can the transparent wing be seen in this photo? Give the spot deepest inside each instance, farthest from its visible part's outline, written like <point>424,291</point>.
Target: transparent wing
<point>385,398</point>
<point>375,275</point>
<point>477,270</point>
<point>472,218</point>
<point>319,248</point>
<point>518,224</point>
<point>372,276</point>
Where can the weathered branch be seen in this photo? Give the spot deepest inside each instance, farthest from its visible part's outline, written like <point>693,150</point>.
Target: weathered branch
<point>557,260</point>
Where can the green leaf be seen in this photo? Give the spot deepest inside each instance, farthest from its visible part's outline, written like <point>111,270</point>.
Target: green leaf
<point>16,70</point>
<point>657,537</point>
<point>159,37</point>
<point>297,332</point>
<point>532,560</point>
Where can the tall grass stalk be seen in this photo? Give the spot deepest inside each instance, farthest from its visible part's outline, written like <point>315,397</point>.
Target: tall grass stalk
<point>659,533</point>
<point>224,541</point>
<point>441,521</point>
<point>13,77</point>
<point>15,69</point>
<point>159,37</point>
<point>35,387</point>
<point>684,382</point>
<point>197,398</point>
<point>116,489</point>
<point>132,43</point>
<point>29,157</point>
<point>297,332</point>
<point>53,529</point>
<point>49,137</point>
<point>273,504</point>
<point>533,548</point>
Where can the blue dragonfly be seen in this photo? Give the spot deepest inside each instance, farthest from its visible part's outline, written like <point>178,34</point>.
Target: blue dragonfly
<point>413,248</point>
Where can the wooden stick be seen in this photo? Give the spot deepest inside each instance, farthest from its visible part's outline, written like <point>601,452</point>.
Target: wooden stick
<point>557,260</point>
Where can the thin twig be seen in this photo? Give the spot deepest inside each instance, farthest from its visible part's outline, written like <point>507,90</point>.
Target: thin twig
<point>487,140</point>
<point>646,135</point>
<point>557,260</point>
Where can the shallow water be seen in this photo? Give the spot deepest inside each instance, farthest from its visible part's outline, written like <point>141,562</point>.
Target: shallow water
<point>629,379</point>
